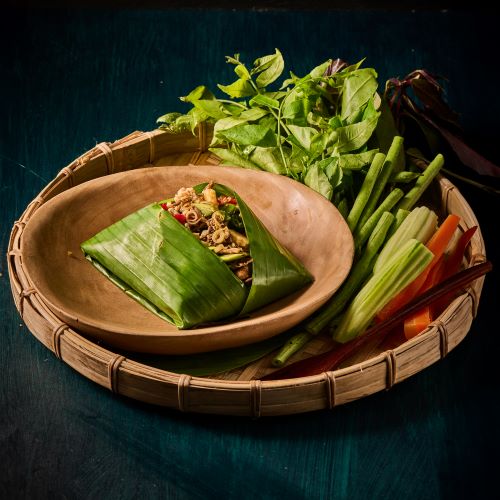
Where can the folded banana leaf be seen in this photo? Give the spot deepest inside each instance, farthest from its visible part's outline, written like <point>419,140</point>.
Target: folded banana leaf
<point>162,265</point>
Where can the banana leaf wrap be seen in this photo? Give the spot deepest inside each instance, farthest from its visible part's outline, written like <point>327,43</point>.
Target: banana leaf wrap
<point>163,266</point>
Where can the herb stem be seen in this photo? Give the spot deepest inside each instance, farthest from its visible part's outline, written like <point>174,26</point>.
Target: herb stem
<point>235,103</point>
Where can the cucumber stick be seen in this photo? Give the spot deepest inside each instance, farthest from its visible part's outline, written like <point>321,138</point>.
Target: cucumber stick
<point>408,262</point>
<point>420,225</point>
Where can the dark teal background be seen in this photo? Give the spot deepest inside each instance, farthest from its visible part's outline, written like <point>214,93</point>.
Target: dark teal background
<point>71,79</point>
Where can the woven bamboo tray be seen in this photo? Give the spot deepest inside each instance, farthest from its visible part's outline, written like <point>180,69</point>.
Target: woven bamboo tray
<point>239,392</point>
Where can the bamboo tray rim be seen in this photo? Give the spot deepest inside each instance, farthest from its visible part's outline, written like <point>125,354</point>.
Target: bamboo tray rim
<point>208,395</point>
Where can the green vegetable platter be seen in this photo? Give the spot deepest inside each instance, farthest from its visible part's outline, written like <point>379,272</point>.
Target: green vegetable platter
<point>334,132</point>
<point>376,237</point>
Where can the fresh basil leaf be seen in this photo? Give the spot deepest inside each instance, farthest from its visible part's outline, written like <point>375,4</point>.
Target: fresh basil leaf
<point>168,119</point>
<point>233,60</point>
<point>269,69</point>
<point>276,95</point>
<point>268,159</point>
<point>247,150</point>
<point>242,71</point>
<point>335,122</point>
<point>262,100</point>
<point>183,123</point>
<point>232,109</point>
<point>354,136</point>
<point>211,108</point>
<point>386,128</point>
<point>358,89</point>
<point>230,157</point>
<point>313,119</point>
<point>239,88</point>
<point>334,173</point>
<point>250,135</point>
<point>198,116</point>
<point>224,124</point>
<point>318,144</point>
<point>200,92</point>
<point>293,80</point>
<point>353,67</point>
<point>296,110</point>
<point>303,135</point>
<point>356,161</point>
<point>319,71</point>
<point>316,179</point>
<point>253,114</point>
<point>369,111</point>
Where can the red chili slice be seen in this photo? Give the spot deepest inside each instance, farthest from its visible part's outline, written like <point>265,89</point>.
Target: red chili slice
<point>164,206</point>
<point>181,218</point>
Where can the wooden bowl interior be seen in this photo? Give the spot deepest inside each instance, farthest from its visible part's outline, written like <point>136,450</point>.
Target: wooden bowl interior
<point>305,222</point>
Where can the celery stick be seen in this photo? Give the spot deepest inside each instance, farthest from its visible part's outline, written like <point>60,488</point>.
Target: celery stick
<point>422,183</point>
<point>337,303</point>
<point>365,191</point>
<point>420,224</point>
<point>400,216</point>
<point>411,259</point>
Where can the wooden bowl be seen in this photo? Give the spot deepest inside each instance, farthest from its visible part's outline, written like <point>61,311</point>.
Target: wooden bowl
<point>302,220</point>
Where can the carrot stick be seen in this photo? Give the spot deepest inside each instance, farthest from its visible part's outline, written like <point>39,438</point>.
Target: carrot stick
<point>453,264</point>
<point>444,268</point>
<point>437,245</point>
<point>417,323</point>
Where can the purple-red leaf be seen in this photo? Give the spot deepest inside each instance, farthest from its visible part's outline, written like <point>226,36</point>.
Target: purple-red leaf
<point>335,66</point>
<point>464,152</point>
<point>432,99</point>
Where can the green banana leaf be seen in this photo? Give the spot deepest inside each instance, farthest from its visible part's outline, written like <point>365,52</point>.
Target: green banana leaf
<point>161,264</point>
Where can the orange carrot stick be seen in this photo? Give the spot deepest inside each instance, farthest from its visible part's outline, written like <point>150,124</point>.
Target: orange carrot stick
<point>437,245</point>
<point>417,323</point>
<point>444,268</point>
<point>453,265</point>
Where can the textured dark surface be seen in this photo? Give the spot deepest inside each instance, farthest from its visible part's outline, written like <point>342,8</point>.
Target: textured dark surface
<point>72,79</point>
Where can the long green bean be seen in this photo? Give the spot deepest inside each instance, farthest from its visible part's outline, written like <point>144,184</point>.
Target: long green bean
<point>422,183</point>
<point>391,159</point>
<point>363,232</point>
<point>365,191</point>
